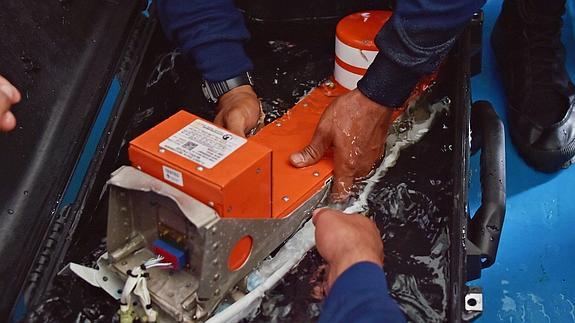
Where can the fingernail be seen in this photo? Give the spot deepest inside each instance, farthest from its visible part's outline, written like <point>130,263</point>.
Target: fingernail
<point>8,90</point>
<point>297,158</point>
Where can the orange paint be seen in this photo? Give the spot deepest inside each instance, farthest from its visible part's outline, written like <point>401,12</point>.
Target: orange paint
<point>358,30</point>
<point>239,186</point>
<point>257,180</point>
<point>240,253</point>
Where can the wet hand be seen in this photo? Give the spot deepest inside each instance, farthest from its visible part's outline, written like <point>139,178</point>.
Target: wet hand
<point>239,110</point>
<point>9,96</point>
<point>344,240</point>
<point>356,128</point>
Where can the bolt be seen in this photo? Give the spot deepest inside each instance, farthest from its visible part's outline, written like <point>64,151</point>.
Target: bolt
<point>216,277</point>
<point>278,124</point>
<point>124,209</point>
<point>215,246</point>
<point>215,262</point>
<point>305,105</point>
<point>329,84</point>
<point>211,204</point>
<point>217,292</point>
<point>258,170</point>
<point>285,198</point>
<point>139,167</point>
<point>214,230</point>
<point>315,173</point>
<point>162,150</point>
<point>199,168</point>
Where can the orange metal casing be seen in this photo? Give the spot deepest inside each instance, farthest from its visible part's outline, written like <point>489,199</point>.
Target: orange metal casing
<point>280,188</point>
<point>292,132</point>
<point>292,186</point>
<point>359,29</point>
<point>239,186</point>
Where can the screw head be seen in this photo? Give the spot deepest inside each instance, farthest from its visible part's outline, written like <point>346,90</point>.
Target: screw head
<point>199,168</point>
<point>162,150</point>
<point>329,84</point>
<point>285,198</point>
<point>315,173</point>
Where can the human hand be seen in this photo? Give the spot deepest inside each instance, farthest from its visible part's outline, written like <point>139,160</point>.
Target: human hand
<point>344,240</point>
<point>9,95</point>
<point>356,128</point>
<point>239,110</point>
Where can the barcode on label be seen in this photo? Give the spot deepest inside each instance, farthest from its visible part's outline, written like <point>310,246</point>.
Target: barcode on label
<point>189,145</point>
<point>173,176</point>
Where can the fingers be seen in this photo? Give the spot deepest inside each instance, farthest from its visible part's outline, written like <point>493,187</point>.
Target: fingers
<point>239,110</point>
<point>313,152</point>
<point>7,121</point>
<point>219,120</point>
<point>316,214</point>
<point>9,95</point>
<point>235,124</point>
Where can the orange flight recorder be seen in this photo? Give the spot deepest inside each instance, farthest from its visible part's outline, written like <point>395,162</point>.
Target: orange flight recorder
<point>240,178</point>
<point>253,178</point>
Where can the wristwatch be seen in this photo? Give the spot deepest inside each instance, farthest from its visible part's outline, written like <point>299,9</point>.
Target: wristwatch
<point>214,90</point>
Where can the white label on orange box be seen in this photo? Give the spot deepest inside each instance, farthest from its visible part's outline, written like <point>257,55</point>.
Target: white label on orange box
<point>203,143</point>
<point>172,175</point>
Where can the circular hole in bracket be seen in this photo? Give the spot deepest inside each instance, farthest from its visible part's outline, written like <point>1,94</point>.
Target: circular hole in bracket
<point>240,253</point>
<point>472,302</point>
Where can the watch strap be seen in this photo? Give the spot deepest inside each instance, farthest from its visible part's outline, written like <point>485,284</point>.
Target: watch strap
<point>214,90</point>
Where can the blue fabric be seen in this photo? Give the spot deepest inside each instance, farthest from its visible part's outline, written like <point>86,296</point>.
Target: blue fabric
<point>211,33</point>
<point>360,295</point>
<point>412,44</point>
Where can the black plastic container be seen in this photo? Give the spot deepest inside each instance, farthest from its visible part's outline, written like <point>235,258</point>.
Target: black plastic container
<point>109,74</point>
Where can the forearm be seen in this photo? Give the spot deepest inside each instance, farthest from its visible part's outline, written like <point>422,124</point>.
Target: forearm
<point>412,44</point>
<point>211,33</point>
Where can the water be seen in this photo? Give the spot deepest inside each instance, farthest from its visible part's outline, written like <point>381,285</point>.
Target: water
<point>410,203</point>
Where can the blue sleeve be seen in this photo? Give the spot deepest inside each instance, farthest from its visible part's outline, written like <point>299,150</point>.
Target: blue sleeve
<point>412,44</point>
<point>360,295</point>
<point>210,32</point>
